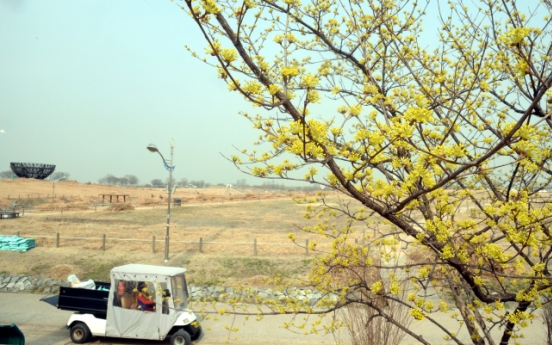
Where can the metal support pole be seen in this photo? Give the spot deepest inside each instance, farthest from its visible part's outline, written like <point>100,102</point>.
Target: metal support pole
<point>57,240</point>
<point>153,245</point>
<point>171,167</point>
<point>255,247</point>
<point>166,248</point>
<point>201,244</point>
<point>103,243</point>
<point>307,246</point>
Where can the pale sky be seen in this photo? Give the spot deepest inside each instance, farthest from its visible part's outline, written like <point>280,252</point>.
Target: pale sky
<point>87,85</point>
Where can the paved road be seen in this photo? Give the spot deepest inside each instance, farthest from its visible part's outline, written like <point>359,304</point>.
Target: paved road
<point>43,324</point>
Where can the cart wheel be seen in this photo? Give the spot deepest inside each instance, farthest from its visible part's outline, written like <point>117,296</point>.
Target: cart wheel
<point>181,337</point>
<point>195,332</point>
<point>80,333</point>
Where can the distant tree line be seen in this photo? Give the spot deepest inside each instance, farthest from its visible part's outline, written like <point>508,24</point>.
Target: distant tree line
<point>127,180</point>
<point>183,183</point>
<point>199,184</point>
<point>60,175</point>
<point>132,180</point>
<point>6,174</point>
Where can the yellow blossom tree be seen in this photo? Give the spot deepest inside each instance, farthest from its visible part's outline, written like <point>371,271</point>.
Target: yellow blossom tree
<point>423,109</point>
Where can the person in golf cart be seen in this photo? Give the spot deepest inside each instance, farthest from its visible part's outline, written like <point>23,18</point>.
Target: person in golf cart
<point>146,302</point>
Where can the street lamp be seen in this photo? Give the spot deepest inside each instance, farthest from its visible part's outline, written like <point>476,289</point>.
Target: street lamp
<point>170,167</point>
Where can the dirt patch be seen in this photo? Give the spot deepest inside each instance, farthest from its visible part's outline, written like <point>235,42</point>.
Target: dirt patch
<point>61,271</point>
<point>120,207</point>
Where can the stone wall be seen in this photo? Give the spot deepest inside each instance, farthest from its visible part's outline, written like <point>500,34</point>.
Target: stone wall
<point>30,284</point>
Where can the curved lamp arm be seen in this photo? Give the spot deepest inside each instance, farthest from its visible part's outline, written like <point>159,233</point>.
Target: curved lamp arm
<point>153,148</point>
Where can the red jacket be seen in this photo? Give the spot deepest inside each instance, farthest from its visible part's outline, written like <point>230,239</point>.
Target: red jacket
<point>145,303</point>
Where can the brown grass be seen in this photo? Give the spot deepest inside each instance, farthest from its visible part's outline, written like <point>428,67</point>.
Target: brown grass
<point>227,224</point>
<point>120,207</point>
<point>79,195</point>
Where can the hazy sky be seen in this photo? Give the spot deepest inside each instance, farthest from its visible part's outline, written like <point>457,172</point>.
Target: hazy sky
<point>87,85</point>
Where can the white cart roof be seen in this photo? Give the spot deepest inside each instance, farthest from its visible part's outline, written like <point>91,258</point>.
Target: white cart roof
<point>148,270</point>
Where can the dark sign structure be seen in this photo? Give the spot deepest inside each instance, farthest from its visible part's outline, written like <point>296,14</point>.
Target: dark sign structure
<point>32,170</point>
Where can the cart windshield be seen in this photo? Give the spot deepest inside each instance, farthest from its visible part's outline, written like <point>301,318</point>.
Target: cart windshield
<point>135,295</point>
<point>180,292</point>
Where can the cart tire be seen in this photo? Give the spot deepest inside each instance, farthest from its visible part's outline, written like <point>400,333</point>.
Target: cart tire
<point>195,332</point>
<point>181,337</point>
<point>80,333</point>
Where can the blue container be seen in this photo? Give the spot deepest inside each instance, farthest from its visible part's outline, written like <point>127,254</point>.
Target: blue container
<point>10,334</point>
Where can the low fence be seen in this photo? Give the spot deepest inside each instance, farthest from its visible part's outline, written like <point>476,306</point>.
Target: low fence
<point>57,209</point>
<point>105,243</point>
<point>466,204</point>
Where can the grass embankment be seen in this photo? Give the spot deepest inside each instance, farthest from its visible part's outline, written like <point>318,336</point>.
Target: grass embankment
<point>227,231</point>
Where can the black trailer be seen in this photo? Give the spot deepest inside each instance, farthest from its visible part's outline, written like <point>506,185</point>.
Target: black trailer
<point>84,301</point>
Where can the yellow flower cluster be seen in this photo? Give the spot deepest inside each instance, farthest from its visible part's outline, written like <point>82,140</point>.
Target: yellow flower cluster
<point>309,81</point>
<point>229,54</point>
<point>417,313</point>
<point>517,35</point>
<point>290,71</point>
<point>211,6</point>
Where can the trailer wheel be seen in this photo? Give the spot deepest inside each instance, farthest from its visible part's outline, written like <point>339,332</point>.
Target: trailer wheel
<point>181,337</point>
<point>79,333</point>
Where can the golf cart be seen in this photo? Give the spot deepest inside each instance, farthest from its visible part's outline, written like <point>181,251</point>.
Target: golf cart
<point>142,302</point>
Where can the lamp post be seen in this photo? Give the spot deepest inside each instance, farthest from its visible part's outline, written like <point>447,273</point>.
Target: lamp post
<point>170,167</point>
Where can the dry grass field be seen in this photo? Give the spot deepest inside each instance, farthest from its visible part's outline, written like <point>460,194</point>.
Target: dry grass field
<point>38,193</point>
<point>227,222</point>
